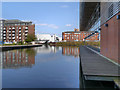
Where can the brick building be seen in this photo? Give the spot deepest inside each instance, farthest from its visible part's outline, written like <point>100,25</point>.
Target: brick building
<point>16,30</point>
<point>77,35</point>
<point>110,30</point>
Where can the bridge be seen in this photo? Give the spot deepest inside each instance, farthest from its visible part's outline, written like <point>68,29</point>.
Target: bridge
<point>90,35</point>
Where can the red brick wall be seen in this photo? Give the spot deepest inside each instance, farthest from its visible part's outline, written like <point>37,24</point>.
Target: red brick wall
<point>31,30</point>
<point>119,40</point>
<point>78,36</point>
<point>110,39</point>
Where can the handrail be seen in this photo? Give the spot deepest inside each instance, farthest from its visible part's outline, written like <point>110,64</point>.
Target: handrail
<point>91,34</point>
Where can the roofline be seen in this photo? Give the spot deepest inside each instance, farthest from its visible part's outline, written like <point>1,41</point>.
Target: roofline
<point>86,11</point>
<point>76,31</point>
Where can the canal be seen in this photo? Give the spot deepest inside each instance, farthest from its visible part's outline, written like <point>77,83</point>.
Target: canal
<point>41,67</point>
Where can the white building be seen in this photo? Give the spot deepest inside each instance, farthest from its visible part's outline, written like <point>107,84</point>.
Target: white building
<point>50,38</point>
<point>1,30</point>
<point>43,37</point>
<point>48,49</point>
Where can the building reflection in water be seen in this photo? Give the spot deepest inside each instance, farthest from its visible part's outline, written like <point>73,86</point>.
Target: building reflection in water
<point>47,49</point>
<point>71,51</point>
<point>26,57</point>
<point>18,58</point>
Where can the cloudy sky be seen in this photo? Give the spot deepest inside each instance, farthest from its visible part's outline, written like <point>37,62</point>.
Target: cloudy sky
<point>48,17</point>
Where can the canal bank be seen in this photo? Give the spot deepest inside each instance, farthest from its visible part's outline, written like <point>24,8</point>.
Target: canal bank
<point>18,47</point>
<point>98,72</point>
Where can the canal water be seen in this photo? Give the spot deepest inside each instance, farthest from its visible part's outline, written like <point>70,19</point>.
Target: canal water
<point>41,67</point>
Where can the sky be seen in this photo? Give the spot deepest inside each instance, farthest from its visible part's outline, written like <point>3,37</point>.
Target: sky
<point>48,17</point>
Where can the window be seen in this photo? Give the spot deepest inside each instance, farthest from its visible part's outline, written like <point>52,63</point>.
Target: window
<point>119,6</point>
<point>110,11</point>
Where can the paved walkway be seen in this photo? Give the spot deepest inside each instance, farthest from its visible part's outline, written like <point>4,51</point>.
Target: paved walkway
<point>94,48</point>
<point>95,65</point>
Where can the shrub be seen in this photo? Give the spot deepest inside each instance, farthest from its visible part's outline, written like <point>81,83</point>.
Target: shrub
<point>78,43</point>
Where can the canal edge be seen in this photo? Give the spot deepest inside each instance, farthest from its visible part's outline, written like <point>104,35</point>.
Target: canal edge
<point>81,76</point>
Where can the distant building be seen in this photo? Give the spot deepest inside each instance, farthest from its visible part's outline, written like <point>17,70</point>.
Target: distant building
<point>76,30</point>
<point>14,31</point>
<point>1,30</point>
<point>43,37</point>
<point>48,37</point>
<point>77,35</point>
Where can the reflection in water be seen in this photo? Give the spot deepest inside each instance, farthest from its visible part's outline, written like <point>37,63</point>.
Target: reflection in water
<point>24,57</point>
<point>71,51</point>
<point>47,49</point>
<point>18,58</point>
<point>49,68</point>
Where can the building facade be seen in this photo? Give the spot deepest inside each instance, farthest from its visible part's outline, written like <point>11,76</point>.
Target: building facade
<point>110,30</point>
<point>48,37</point>
<point>16,31</point>
<point>1,31</point>
<point>79,36</point>
<point>105,18</point>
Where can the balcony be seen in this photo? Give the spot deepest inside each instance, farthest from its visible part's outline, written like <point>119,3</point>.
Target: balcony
<point>13,38</point>
<point>9,28</point>
<point>19,37</point>
<point>9,31</point>
<point>13,27</point>
<point>19,27</point>
<point>4,34</point>
<point>9,34</point>
<point>4,31</point>
<point>13,34</point>
<point>26,34</point>
<point>13,31</point>
<point>4,38</point>
<point>26,27</point>
<point>26,31</point>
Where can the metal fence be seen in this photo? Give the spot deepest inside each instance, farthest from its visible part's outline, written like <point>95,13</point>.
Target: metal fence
<point>108,10</point>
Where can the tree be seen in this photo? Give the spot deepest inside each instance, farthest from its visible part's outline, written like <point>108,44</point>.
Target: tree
<point>30,38</point>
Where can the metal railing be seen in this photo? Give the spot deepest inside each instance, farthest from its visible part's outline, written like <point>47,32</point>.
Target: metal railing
<point>90,35</point>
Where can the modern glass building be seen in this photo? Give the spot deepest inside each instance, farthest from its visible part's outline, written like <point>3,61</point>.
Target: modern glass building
<point>105,18</point>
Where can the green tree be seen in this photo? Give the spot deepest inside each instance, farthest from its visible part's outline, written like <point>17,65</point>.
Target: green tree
<point>30,38</point>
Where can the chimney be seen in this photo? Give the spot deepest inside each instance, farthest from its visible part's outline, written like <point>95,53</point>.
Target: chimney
<point>76,30</point>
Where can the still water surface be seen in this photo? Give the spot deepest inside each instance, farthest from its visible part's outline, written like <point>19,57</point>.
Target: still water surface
<point>41,67</point>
